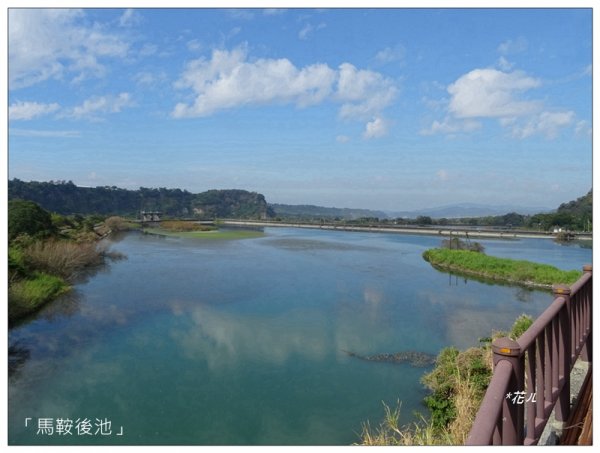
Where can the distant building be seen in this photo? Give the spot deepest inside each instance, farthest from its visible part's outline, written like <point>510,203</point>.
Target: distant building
<point>150,216</point>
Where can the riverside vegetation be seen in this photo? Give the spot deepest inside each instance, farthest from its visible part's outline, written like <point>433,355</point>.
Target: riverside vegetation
<point>501,269</point>
<point>457,386</point>
<point>47,252</point>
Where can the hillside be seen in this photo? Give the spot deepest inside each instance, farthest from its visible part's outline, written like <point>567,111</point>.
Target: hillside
<point>304,211</point>
<point>67,198</point>
<point>583,206</point>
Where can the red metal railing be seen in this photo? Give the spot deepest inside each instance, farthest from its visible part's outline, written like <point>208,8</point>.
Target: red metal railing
<point>532,375</point>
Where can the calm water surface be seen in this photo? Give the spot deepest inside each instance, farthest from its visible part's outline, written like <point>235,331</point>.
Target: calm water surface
<point>242,342</point>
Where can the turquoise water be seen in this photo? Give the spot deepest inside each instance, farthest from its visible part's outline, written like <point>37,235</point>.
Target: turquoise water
<point>242,342</point>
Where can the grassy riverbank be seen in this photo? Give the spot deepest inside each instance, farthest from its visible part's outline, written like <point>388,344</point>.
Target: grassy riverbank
<point>47,252</point>
<point>500,269</point>
<point>457,386</point>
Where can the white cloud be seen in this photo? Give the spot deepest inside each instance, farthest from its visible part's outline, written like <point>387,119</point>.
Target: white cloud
<point>194,45</point>
<point>376,128</point>
<point>228,80</point>
<point>504,64</point>
<point>583,129</point>
<point>101,104</point>
<point>52,43</point>
<point>129,17</point>
<point>547,124</point>
<point>146,78</point>
<point>309,29</point>
<point>491,93</point>
<point>511,46</point>
<point>364,93</point>
<point>342,139</point>
<point>390,54</point>
<point>29,110</point>
<point>450,125</point>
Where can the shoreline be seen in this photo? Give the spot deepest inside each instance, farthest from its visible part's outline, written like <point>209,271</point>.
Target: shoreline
<point>402,230</point>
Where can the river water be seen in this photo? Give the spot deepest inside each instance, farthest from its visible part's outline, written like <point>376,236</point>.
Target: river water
<point>244,342</point>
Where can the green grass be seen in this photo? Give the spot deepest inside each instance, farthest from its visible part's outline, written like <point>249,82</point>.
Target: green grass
<point>211,235</point>
<point>28,295</point>
<point>501,269</point>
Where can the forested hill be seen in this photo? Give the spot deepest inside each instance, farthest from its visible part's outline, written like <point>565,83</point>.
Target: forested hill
<point>312,212</point>
<point>67,198</point>
<point>583,206</point>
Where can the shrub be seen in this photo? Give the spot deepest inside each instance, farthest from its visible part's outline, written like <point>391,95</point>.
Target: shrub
<point>455,243</point>
<point>26,217</point>
<point>63,258</point>
<point>522,323</point>
<point>116,223</point>
<point>26,295</point>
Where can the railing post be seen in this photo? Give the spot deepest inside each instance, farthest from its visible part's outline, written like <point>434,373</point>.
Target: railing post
<point>513,415</point>
<point>563,405</point>
<point>586,352</point>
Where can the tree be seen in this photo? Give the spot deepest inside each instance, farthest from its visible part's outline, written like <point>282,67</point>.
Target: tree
<point>424,220</point>
<point>26,217</point>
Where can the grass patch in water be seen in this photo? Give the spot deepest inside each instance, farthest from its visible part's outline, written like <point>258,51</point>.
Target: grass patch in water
<point>501,269</point>
<point>212,235</point>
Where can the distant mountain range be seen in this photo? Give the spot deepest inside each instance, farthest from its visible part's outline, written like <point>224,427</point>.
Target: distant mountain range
<point>305,211</point>
<point>470,210</point>
<point>450,211</point>
<point>67,198</point>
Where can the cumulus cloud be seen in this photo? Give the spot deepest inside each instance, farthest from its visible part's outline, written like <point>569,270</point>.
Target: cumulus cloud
<point>491,93</point>
<point>376,128</point>
<point>96,105</point>
<point>390,54</point>
<point>547,124</point>
<point>51,43</point>
<point>29,110</point>
<point>229,80</point>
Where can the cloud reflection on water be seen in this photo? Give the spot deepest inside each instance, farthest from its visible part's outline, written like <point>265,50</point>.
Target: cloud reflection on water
<point>224,339</point>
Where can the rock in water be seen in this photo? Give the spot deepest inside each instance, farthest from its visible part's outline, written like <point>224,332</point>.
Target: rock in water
<point>414,358</point>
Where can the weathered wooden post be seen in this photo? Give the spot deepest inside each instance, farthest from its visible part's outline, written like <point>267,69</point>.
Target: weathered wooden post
<point>563,404</point>
<point>513,415</point>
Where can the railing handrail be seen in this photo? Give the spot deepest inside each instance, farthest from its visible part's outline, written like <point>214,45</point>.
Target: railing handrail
<point>491,406</point>
<point>552,344</point>
<point>531,334</point>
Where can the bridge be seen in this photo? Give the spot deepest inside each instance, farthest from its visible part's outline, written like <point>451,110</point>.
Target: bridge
<point>532,375</point>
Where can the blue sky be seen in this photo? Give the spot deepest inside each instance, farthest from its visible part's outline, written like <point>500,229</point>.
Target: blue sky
<point>392,109</point>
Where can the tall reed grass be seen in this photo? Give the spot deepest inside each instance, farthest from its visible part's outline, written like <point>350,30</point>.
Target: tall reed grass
<point>65,259</point>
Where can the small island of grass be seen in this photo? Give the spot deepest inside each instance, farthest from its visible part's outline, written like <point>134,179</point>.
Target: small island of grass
<point>186,229</point>
<point>500,269</point>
